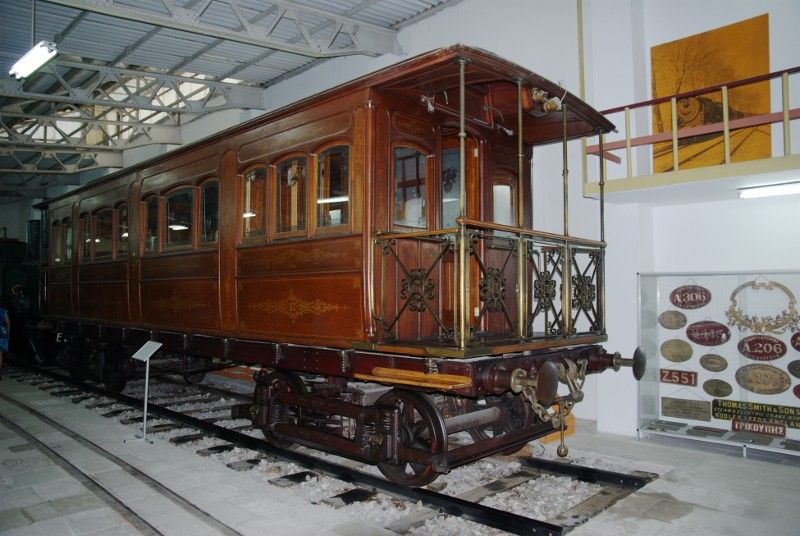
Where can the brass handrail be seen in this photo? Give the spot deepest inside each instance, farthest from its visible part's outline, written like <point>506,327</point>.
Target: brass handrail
<point>530,232</point>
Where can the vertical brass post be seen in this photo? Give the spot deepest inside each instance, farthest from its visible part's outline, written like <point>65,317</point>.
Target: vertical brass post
<point>601,269</point>
<point>673,106</point>
<point>522,288</point>
<point>463,283</point>
<point>566,274</point>
<point>787,138</point>
<point>726,131</point>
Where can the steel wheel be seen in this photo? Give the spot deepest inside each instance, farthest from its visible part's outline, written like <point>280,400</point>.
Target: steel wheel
<point>116,368</point>
<point>421,427</point>
<point>277,383</point>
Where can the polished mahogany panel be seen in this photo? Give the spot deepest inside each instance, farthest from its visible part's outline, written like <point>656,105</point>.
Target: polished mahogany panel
<point>103,300</point>
<point>327,255</point>
<point>59,300</point>
<point>106,271</point>
<point>181,303</point>
<point>59,274</point>
<point>186,265</point>
<point>323,307</point>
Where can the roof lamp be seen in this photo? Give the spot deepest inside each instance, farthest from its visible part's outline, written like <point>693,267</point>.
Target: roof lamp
<point>786,188</point>
<point>40,54</point>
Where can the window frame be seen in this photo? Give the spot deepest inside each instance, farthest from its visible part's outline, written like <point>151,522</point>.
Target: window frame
<point>274,192</point>
<point>430,213</point>
<point>263,237</point>
<point>201,185</point>
<point>143,223</point>
<point>85,253</point>
<point>163,221</point>
<point>315,160</point>
<point>67,232</point>
<point>118,254</point>
<point>505,176</point>
<point>56,231</point>
<point>95,238</point>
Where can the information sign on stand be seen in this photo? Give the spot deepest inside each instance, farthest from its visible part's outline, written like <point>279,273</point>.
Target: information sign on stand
<point>144,354</point>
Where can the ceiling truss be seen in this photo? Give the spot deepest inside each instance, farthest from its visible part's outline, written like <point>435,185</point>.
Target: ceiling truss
<point>229,21</point>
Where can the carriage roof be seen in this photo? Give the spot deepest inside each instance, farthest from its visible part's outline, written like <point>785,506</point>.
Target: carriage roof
<point>433,73</point>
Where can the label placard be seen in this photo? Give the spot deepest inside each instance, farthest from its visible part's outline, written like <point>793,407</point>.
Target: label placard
<point>729,410</point>
<point>679,377</point>
<point>698,410</point>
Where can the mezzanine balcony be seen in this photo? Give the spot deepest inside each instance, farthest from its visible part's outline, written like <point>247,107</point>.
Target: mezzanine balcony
<point>698,145</point>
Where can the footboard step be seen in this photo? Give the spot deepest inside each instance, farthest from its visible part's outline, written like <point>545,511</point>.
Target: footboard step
<point>293,479</point>
<point>349,497</point>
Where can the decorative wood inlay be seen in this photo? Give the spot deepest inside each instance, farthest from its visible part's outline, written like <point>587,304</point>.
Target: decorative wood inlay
<point>295,307</point>
<point>176,303</point>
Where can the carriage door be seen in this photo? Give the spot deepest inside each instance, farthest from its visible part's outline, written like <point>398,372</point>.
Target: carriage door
<point>449,189</point>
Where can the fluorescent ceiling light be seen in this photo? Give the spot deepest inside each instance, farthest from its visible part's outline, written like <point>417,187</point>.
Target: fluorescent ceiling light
<point>249,214</point>
<point>786,188</point>
<point>40,54</point>
<point>178,227</point>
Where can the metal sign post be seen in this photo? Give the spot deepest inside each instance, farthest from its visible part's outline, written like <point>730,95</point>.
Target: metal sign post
<point>144,353</point>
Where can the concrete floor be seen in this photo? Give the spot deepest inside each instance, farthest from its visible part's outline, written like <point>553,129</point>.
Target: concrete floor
<point>709,490</point>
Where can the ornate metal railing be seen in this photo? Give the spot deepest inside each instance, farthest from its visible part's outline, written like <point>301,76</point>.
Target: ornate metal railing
<point>417,296</point>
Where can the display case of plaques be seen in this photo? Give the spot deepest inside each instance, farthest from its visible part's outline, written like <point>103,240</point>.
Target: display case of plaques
<point>723,357</point>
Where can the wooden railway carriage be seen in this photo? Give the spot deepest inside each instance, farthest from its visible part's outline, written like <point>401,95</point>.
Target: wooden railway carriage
<point>371,248</point>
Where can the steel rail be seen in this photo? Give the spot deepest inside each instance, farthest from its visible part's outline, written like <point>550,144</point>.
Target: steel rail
<point>478,513</point>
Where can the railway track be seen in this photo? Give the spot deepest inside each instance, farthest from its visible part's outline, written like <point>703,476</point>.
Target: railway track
<point>192,415</point>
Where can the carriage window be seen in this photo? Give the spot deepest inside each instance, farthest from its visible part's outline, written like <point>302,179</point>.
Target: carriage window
<point>86,238</point>
<point>209,211</point>
<point>409,188</point>
<point>504,199</point>
<point>291,193</point>
<point>180,206</point>
<point>254,202</point>
<point>333,189</point>
<point>67,228</point>
<point>122,230</point>
<point>103,234</point>
<point>55,237</point>
<point>151,225</point>
<point>451,187</point>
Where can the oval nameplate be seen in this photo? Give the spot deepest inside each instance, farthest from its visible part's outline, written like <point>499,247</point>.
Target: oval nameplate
<point>708,333</point>
<point>690,297</point>
<point>796,341</point>
<point>676,350</point>
<point>762,347</point>
<point>717,388</point>
<point>796,390</point>
<point>794,368</point>
<point>672,319</point>
<point>713,362</point>
<point>763,379</point>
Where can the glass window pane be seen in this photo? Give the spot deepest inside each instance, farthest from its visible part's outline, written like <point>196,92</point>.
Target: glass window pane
<point>122,230</point>
<point>291,195</point>
<point>333,187</point>
<point>451,187</point>
<point>504,199</point>
<point>254,203</point>
<point>55,239</point>
<point>67,225</point>
<point>209,212</point>
<point>86,238</point>
<point>409,188</point>
<point>151,225</point>
<point>180,206</point>
<point>103,234</point>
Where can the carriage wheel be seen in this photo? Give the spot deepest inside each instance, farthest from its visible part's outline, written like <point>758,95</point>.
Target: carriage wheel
<point>116,368</point>
<point>421,427</point>
<point>196,377</point>
<point>78,353</point>
<point>277,383</point>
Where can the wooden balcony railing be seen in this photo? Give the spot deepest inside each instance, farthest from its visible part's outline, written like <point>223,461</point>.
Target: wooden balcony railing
<point>676,135</point>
